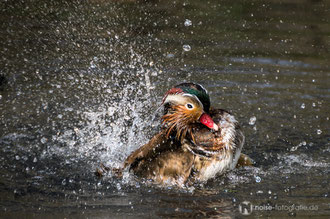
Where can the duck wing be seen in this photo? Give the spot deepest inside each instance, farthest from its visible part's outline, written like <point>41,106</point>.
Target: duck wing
<point>147,151</point>
<point>162,159</point>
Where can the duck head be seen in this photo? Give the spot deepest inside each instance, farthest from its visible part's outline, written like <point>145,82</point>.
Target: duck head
<point>184,105</point>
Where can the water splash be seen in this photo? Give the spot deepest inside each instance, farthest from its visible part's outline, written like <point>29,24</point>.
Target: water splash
<point>252,120</point>
<point>123,119</point>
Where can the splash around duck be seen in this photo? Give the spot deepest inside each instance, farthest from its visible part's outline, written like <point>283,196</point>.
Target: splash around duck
<point>196,142</point>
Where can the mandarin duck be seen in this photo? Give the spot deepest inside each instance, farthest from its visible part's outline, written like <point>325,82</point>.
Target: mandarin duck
<point>195,144</point>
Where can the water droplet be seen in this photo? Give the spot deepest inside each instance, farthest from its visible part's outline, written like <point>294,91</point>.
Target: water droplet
<point>17,157</point>
<point>319,131</point>
<point>187,23</point>
<point>186,48</point>
<point>292,214</point>
<point>170,55</point>
<point>294,148</point>
<point>64,182</point>
<point>59,116</point>
<point>303,106</point>
<point>258,179</point>
<point>35,160</point>
<point>253,120</point>
<point>92,65</point>
<point>43,140</point>
<point>118,186</point>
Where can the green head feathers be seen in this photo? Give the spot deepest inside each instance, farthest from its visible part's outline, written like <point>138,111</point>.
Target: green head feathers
<point>198,90</point>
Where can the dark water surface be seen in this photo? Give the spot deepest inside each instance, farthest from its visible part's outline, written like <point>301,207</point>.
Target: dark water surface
<point>80,82</point>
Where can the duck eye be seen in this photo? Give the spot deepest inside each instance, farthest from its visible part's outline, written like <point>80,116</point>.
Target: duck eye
<point>189,106</point>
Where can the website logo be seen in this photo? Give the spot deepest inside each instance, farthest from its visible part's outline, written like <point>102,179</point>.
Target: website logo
<point>245,208</point>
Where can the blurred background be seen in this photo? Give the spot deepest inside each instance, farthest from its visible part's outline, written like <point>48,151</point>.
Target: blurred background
<point>81,82</point>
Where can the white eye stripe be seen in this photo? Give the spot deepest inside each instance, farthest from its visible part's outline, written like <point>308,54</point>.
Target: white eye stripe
<point>193,96</point>
<point>179,98</point>
<point>203,88</point>
<point>188,95</point>
<point>174,98</point>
